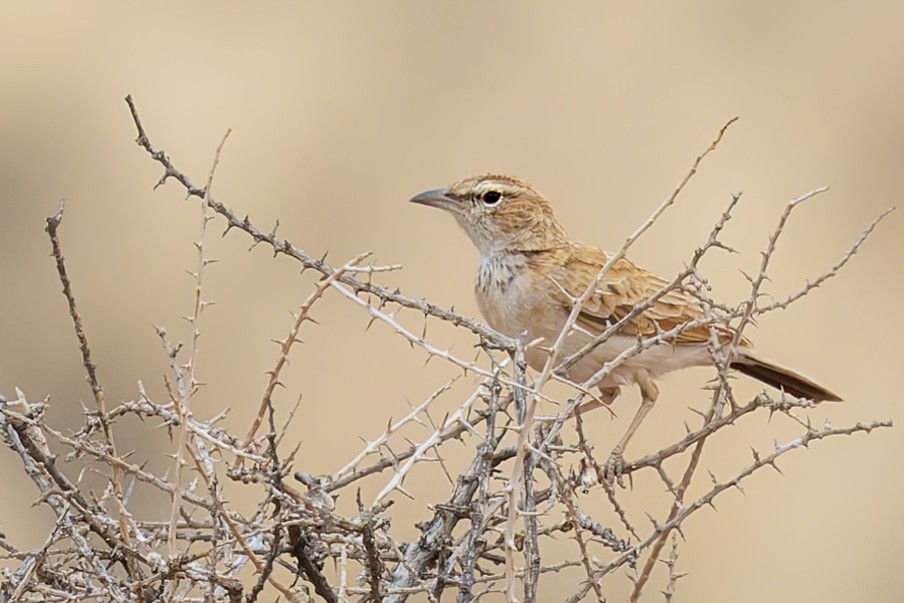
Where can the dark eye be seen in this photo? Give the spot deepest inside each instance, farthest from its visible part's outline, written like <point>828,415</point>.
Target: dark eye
<point>491,197</point>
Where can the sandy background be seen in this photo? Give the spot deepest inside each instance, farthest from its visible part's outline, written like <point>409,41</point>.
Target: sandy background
<point>342,111</point>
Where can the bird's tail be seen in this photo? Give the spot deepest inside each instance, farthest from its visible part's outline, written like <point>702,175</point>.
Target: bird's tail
<point>780,377</point>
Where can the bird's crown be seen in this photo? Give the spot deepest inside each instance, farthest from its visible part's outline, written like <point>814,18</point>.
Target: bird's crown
<point>492,189</point>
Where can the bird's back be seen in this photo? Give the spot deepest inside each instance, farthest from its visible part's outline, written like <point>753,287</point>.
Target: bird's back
<point>622,288</point>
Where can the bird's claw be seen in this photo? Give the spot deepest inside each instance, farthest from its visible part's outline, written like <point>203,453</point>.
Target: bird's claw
<point>542,430</point>
<point>615,465</point>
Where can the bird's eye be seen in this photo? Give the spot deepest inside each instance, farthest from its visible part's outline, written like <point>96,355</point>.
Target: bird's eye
<point>491,198</point>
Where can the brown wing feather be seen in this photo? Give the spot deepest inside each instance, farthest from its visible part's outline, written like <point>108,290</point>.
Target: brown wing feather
<point>624,286</point>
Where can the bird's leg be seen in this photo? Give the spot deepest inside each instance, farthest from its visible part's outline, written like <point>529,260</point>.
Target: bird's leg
<point>606,397</point>
<point>648,392</point>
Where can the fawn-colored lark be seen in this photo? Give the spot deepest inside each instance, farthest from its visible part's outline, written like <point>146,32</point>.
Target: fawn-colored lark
<point>530,273</point>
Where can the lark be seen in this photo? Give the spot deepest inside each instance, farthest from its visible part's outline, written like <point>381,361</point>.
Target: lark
<point>531,272</point>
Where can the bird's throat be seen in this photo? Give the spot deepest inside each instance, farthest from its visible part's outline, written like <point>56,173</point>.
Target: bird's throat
<point>498,270</point>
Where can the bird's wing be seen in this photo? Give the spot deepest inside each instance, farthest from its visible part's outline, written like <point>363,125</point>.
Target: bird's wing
<point>624,286</point>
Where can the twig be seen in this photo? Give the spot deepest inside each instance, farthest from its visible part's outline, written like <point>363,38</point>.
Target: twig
<point>285,247</point>
<point>831,272</point>
<point>285,345</point>
<point>182,403</point>
<point>53,224</point>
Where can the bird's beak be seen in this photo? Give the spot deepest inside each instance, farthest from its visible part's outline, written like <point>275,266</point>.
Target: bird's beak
<point>438,198</point>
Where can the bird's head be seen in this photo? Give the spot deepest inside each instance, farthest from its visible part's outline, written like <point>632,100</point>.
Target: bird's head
<point>499,213</point>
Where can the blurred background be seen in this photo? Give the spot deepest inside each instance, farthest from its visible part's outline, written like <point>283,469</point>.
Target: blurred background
<point>342,111</point>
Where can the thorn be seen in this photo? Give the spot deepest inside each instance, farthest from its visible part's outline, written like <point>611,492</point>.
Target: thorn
<point>163,179</point>
<point>404,491</point>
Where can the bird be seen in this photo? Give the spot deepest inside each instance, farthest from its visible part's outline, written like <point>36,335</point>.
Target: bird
<point>531,273</point>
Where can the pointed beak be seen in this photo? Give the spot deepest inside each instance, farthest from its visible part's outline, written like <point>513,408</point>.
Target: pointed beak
<point>438,198</point>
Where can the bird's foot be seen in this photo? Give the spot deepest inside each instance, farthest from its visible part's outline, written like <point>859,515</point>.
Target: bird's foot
<point>542,430</point>
<point>615,465</point>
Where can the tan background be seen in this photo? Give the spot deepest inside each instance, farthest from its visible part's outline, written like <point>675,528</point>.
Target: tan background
<point>342,111</point>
